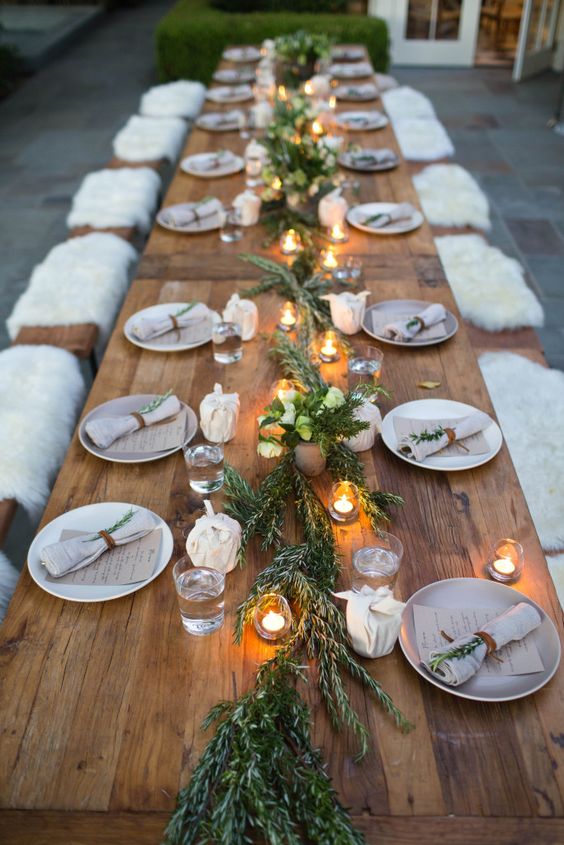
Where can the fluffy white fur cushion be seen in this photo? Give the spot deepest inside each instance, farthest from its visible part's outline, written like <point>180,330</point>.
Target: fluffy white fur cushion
<point>556,569</point>
<point>489,287</point>
<point>422,138</point>
<point>529,402</point>
<point>407,102</point>
<point>126,196</point>
<point>450,196</point>
<point>150,138</point>
<point>82,280</point>
<point>175,99</point>
<point>8,580</point>
<point>41,391</point>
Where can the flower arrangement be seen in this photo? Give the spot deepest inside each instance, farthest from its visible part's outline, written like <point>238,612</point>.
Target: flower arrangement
<point>302,166</point>
<point>292,116</point>
<point>298,52</point>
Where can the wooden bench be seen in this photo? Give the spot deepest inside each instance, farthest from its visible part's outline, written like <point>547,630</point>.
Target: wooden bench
<point>7,512</point>
<point>79,339</point>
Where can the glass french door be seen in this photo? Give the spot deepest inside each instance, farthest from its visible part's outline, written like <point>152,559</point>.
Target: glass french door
<point>536,38</point>
<point>430,32</point>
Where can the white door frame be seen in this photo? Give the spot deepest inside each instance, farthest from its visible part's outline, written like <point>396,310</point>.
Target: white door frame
<point>459,52</point>
<point>540,57</point>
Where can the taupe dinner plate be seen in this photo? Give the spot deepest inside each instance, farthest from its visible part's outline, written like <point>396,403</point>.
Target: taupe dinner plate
<point>357,93</point>
<point>217,121</point>
<point>361,121</point>
<point>165,218</point>
<point>398,308</point>
<point>241,54</point>
<point>358,213</point>
<point>234,76</point>
<point>346,160</point>
<point>194,165</point>
<point>229,94</point>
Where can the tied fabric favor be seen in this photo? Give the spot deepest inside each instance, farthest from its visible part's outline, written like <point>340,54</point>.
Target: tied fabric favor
<point>332,209</point>
<point>245,313</point>
<point>149,327</point>
<point>404,330</point>
<point>347,310</point>
<point>433,438</point>
<point>248,205</point>
<point>370,413</point>
<point>373,620</point>
<point>185,215</point>
<point>402,211</point>
<point>105,430</point>
<point>70,555</point>
<point>219,414</point>
<point>261,115</point>
<point>214,541</point>
<point>459,661</point>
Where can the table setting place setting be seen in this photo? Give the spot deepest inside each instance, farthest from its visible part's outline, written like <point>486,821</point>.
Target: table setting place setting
<point>192,217</point>
<point>242,54</point>
<point>409,323</point>
<point>361,121</point>
<point>234,76</point>
<point>230,93</point>
<point>227,121</point>
<point>350,53</point>
<point>354,70</point>
<point>368,160</point>
<point>385,218</point>
<point>212,165</point>
<point>171,326</point>
<point>366,91</point>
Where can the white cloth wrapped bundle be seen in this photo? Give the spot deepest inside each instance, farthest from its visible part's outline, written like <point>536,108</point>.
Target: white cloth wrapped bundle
<point>401,211</point>
<point>105,430</point>
<point>334,143</point>
<point>149,327</point>
<point>184,215</point>
<point>406,329</point>
<point>183,98</point>
<point>214,541</point>
<point>70,555</point>
<point>347,310</point>
<point>261,114</point>
<point>370,413</point>
<point>268,50</point>
<point>245,313</point>
<point>332,209</point>
<point>373,620</point>
<point>248,204</point>
<point>320,86</point>
<point>514,624</point>
<point>219,414</point>
<point>150,139</point>
<point>124,196</point>
<point>464,427</point>
<point>407,102</point>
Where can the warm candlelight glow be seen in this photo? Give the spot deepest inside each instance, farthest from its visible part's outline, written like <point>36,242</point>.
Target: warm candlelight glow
<point>344,505</point>
<point>290,242</point>
<point>332,102</point>
<point>276,184</point>
<point>282,95</point>
<point>317,127</point>
<point>328,351</point>
<point>504,566</point>
<point>296,139</point>
<point>273,622</point>
<point>288,317</point>
<point>272,617</point>
<point>338,233</point>
<point>507,561</point>
<point>283,389</point>
<point>329,259</point>
<point>308,88</point>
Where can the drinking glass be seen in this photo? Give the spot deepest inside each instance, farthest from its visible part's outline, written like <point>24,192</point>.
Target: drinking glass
<point>365,367</point>
<point>230,230</point>
<point>204,463</point>
<point>377,565</point>
<point>226,342</point>
<point>349,272</point>
<point>200,593</point>
<point>253,169</point>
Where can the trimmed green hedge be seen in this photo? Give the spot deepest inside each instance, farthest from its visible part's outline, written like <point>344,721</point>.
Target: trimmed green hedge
<point>192,36</point>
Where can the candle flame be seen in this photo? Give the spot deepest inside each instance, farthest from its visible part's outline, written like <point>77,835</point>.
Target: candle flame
<point>273,622</point>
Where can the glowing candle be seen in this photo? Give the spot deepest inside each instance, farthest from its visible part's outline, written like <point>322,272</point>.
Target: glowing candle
<point>282,95</point>
<point>284,389</point>
<point>332,102</point>
<point>317,128</point>
<point>343,505</point>
<point>329,259</point>
<point>272,617</point>
<point>338,234</point>
<point>273,622</point>
<point>288,317</point>
<point>507,561</point>
<point>329,351</point>
<point>344,502</point>
<point>309,89</point>
<point>276,184</point>
<point>290,242</point>
<point>504,566</point>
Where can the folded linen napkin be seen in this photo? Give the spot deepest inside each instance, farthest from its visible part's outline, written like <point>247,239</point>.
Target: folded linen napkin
<point>105,430</point>
<point>401,211</point>
<point>213,161</point>
<point>373,620</point>
<point>365,90</point>
<point>228,118</point>
<point>457,662</point>
<point>193,314</point>
<point>404,330</point>
<point>419,445</point>
<point>70,555</point>
<point>184,215</point>
<point>370,158</point>
<point>224,94</point>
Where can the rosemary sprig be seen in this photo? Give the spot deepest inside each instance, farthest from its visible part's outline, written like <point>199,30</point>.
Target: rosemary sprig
<point>185,309</point>
<point>119,524</point>
<point>456,653</point>
<point>428,436</point>
<point>154,403</point>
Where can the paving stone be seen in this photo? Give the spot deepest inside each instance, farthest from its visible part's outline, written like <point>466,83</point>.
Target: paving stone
<point>535,237</point>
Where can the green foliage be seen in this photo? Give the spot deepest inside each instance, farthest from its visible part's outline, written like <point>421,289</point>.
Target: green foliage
<point>456,653</point>
<point>192,36</point>
<point>333,6</point>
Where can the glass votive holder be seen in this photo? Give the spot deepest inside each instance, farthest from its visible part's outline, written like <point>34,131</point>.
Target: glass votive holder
<point>348,271</point>
<point>230,230</point>
<point>272,617</point>
<point>338,234</point>
<point>290,242</point>
<point>328,347</point>
<point>328,260</point>
<point>227,342</point>
<point>283,389</point>
<point>344,503</point>
<point>365,366</point>
<point>377,565</point>
<point>506,561</point>
<point>253,171</point>
<point>200,592</point>
<point>204,463</point>
<point>288,319</point>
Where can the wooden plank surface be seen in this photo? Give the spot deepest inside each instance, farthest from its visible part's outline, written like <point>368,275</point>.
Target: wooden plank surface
<point>101,705</point>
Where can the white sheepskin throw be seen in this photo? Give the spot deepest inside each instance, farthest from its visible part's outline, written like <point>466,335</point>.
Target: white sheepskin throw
<point>422,138</point>
<point>82,280</point>
<point>556,568</point>
<point>150,139</point>
<point>489,287</point>
<point>450,196</point>
<point>8,579</point>
<point>407,102</point>
<point>41,393</point>
<point>175,99</point>
<point>108,199</point>
<point>529,403</point>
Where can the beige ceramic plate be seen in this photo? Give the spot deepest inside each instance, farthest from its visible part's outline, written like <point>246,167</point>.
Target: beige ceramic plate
<point>361,121</point>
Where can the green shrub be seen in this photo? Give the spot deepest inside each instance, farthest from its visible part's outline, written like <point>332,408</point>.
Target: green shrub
<point>192,36</point>
<point>332,6</point>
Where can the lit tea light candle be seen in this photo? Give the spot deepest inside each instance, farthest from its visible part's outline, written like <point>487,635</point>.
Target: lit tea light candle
<point>506,561</point>
<point>272,617</point>
<point>284,389</point>
<point>282,94</point>
<point>309,89</point>
<point>276,184</point>
<point>288,317</point>
<point>329,351</point>
<point>332,102</point>
<point>344,502</point>
<point>290,242</point>
<point>328,259</point>
<point>317,128</point>
<point>338,233</point>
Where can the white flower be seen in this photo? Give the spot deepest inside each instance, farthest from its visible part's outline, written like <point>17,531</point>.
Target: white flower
<point>269,449</point>
<point>334,398</point>
<point>289,415</point>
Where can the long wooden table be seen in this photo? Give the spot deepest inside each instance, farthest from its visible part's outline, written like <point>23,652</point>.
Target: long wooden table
<point>101,704</point>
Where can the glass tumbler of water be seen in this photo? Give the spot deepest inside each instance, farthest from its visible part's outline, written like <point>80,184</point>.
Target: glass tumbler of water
<point>204,463</point>
<point>377,565</point>
<point>227,343</point>
<point>230,230</point>
<point>365,367</point>
<point>200,593</point>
